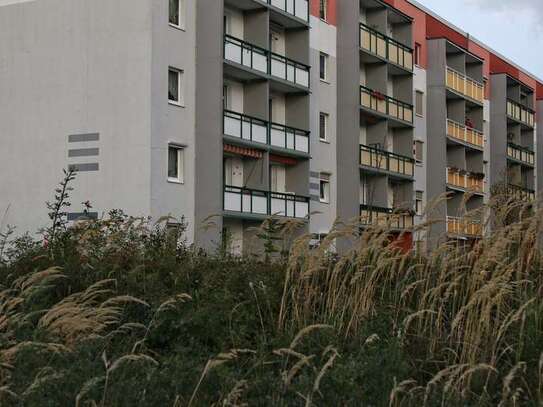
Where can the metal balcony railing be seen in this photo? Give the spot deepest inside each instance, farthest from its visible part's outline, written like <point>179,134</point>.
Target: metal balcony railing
<point>521,193</point>
<point>385,47</point>
<point>264,61</point>
<point>274,134</point>
<point>520,113</point>
<point>464,85</point>
<point>465,134</point>
<point>297,8</point>
<point>521,154</point>
<point>266,203</point>
<point>465,181</point>
<point>384,104</point>
<point>386,161</point>
<point>462,227</point>
<point>385,217</point>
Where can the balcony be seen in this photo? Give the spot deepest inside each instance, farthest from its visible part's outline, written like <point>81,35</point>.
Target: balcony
<point>385,217</point>
<point>386,105</point>
<point>521,154</point>
<point>387,162</point>
<point>296,8</point>
<point>464,181</point>
<point>520,193</point>
<point>467,135</point>
<point>465,86</point>
<point>264,62</point>
<point>262,204</point>
<point>462,227</point>
<point>386,48</point>
<point>520,113</point>
<point>252,129</point>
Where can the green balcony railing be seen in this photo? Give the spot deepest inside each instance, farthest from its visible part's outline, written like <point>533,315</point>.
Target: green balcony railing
<point>520,113</point>
<point>266,203</point>
<point>519,153</point>
<point>386,217</point>
<point>386,161</point>
<point>387,105</point>
<point>250,128</point>
<point>385,47</point>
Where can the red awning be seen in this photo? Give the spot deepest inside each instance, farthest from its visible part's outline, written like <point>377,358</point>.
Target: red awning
<point>283,160</point>
<point>244,151</point>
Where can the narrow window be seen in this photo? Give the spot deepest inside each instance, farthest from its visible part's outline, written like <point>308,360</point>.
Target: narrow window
<point>419,196</point>
<point>176,164</point>
<point>324,196</point>
<point>323,66</point>
<point>175,86</point>
<point>323,9</point>
<point>176,13</point>
<point>419,102</point>
<point>417,54</point>
<point>323,127</point>
<point>419,151</point>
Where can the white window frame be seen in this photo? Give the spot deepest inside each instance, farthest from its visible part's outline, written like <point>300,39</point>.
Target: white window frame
<point>181,17</point>
<point>180,179</point>
<point>324,10</point>
<point>326,60</point>
<point>180,77</point>
<point>324,179</point>
<point>419,106</point>
<point>419,210</point>
<point>421,143</point>
<point>326,138</point>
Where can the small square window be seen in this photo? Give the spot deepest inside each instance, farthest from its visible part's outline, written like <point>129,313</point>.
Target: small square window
<point>419,103</point>
<point>323,127</point>
<point>176,14</point>
<point>418,148</point>
<point>323,9</point>
<point>175,86</point>
<point>323,64</point>
<point>324,188</point>
<point>176,158</point>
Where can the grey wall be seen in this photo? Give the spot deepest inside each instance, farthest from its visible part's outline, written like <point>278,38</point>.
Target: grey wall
<point>74,67</point>
<point>498,129</point>
<point>539,149</point>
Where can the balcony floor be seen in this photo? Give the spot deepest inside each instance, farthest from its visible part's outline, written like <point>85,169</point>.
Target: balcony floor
<point>368,57</point>
<point>380,172</point>
<point>368,115</point>
<point>452,141</point>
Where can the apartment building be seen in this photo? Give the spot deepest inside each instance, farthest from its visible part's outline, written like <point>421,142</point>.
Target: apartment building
<point>231,111</point>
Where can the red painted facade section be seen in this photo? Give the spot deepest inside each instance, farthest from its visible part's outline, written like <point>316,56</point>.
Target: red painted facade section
<point>539,91</point>
<point>331,12</point>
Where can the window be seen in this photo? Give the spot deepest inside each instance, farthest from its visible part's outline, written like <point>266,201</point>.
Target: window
<point>416,52</point>
<point>419,103</point>
<point>176,13</point>
<point>323,127</point>
<point>323,66</point>
<point>227,23</point>
<point>176,164</point>
<point>419,151</point>
<point>324,195</point>
<point>175,86</point>
<point>226,97</point>
<point>419,196</point>
<point>323,9</point>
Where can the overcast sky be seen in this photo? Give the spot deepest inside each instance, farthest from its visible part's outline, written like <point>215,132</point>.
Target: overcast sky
<point>514,28</point>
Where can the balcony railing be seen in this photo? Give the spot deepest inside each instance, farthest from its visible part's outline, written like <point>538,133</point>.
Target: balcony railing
<point>374,100</point>
<point>253,129</point>
<point>266,203</point>
<point>297,8</point>
<point>520,113</point>
<point>463,227</point>
<point>385,217</point>
<point>520,193</point>
<point>385,47</point>
<point>386,161</point>
<point>465,134</point>
<point>465,181</point>
<point>264,61</point>
<point>289,70</point>
<point>520,153</point>
<point>464,85</point>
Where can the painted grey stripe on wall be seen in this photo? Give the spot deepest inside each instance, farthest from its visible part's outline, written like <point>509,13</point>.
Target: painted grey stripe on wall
<point>81,215</point>
<point>84,167</point>
<point>79,138</point>
<point>83,152</point>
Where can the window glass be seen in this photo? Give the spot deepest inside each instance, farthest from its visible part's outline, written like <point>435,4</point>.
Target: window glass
<point>173,163</point>
<point>174,12</point>
<point>173,85</point>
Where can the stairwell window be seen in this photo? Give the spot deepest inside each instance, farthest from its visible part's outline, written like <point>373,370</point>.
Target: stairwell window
<point>176,164</point>
<point>323,127</point>
<point>419,103</point>
<point>418,148</point>
<point>324,195</point>
<point>419,196</point>
<point>323,10</point>
<point>175,87</point>
<point>323,65</point>
<point>176,13</point>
